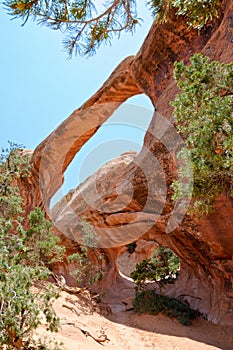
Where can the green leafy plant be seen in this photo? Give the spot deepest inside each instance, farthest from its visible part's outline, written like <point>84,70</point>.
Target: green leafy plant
<point>162,268</point>
<point>27,247</point>
<point>87,273</point>
<point>203,115</point>
<point>87,25</point>
<point>198,13</point>
<point>148,301</point>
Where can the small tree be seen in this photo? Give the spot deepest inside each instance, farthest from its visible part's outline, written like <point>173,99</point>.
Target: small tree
<point>162,268</point>
<point>203,115</point>
<point>88,25</point>
<point>87,273</point>
<point>27,246</point>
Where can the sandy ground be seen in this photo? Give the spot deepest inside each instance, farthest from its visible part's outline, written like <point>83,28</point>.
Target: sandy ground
<point>127,331</point>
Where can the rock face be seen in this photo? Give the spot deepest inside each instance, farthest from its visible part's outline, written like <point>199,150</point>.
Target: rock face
<point>131,198</point>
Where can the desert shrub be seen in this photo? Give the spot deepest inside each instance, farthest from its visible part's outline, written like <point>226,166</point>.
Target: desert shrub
<point>87,273</point>
<point>27,246</point>
<point>197,13</point>
<point>148,301</point>
<point>162,268</point>
<point>203,116</point>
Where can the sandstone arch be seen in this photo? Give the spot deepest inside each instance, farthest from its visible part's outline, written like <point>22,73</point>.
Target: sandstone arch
<point>204,247</point>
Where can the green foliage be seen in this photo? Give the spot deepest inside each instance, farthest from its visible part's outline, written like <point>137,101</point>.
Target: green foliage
<point>42,239</point>
<point>88,25</point>
<point>152,303</point>
<point>161,268</point>
<point>203,115</point>
<point>87,273</point>
<point>26,246</point>
<point>12,167</point>
<point>198,13</point>
<point>160,8</point>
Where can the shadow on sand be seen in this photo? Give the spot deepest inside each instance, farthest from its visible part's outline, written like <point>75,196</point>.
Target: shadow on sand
<point>200,330</point>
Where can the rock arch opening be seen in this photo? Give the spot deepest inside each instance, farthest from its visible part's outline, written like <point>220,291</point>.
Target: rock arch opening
<point>136,254</point>
<point>123,132</point>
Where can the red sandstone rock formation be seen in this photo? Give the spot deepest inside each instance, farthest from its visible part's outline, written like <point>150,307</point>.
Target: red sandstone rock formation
<point>127,208</point>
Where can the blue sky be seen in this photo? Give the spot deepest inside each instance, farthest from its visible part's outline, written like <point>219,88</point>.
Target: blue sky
<point>40,88</point>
